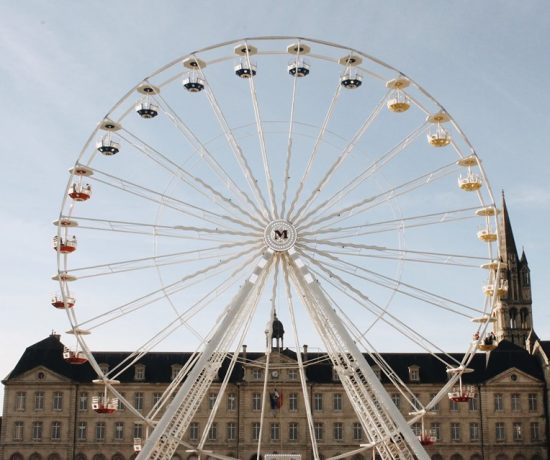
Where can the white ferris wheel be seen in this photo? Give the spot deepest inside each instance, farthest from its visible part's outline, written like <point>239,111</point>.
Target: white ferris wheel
<point>278,176</point>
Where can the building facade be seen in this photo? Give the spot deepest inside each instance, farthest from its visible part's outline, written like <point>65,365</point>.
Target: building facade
<point>48,414</point>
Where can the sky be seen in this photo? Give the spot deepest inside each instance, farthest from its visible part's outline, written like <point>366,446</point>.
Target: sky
<point>64,64</point>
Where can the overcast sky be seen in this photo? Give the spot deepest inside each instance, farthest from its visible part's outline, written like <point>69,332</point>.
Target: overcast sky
<point>64,64</point>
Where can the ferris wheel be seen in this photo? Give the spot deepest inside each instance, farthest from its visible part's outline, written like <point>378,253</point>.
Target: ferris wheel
<point>278,177</point>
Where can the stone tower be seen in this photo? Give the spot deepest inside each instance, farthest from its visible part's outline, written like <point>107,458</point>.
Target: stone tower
<point>514,319</point>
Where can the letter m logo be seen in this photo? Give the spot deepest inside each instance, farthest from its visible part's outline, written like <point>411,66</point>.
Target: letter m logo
<point>281,234</point>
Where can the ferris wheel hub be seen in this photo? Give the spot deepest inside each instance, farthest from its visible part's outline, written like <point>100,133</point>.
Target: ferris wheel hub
<point>280,235</point>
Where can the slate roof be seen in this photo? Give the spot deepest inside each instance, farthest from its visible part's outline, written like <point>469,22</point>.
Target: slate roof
<point>48,353</point>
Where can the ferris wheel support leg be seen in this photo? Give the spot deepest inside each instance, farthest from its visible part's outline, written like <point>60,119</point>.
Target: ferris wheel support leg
<point>165,437</point>
<point>363,387</point>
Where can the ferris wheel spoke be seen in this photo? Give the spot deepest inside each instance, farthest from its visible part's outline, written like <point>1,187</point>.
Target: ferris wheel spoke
<point>289,141</point>
<point>358,248</point>
<point>261,138</point>
<point>333,168</point>
<point>394,224</point>
<point>399,286</point>
<point>237,151</point>
<point>196,183</point>
<point>315,150</point>
<point>176,258</point>
<point>364,175</point>
<point>380,313</point>
<point>301,367</point>
<point>154,296</point>
<point>376,200</point>
<point>166,200</point>
<point>205,155</point>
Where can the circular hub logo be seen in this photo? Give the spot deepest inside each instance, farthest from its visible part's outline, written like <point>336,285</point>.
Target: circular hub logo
<point>280,235</point>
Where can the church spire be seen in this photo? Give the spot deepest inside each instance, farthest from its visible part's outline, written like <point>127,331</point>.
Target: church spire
<point>508,250</point>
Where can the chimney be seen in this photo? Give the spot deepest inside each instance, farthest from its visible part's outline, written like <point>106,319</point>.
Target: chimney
<point>305,353</point>
<point>244,351</point>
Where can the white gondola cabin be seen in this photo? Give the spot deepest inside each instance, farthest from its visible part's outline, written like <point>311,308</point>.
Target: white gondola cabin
<point>58,302</point>
<point>64,245</point>
<point>107,146</point>
<point>193,83</point>
<point>104,404</point>
<point>244,69</point>
<point>74,357</point>
<point>470,183</point>
<point>298,68</point>
<point>80,192</point>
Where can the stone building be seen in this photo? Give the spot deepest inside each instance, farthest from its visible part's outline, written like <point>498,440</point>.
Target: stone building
<point>48,415</point>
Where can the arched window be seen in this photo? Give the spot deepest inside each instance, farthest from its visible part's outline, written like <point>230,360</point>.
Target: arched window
<point>54,457</point>
<point>35,456</point>
<point>523,315</point>
<point>80,457</point>
<point>437,457</point>
<point>117,456</point>
<point>16,456</point>
<point>99,457</point>
<point>513,318</point>
<point>475,457</point>
<point>456,457</point>
<point>519,457</point>
<point>501,457</point>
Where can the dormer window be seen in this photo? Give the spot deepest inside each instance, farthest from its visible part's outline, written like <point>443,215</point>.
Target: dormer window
<point>377,372</point>
<point>176,368</point>
<point>104,367</point>
<point>335,376</point>
<point>414,373</point>
<point>139,372</point>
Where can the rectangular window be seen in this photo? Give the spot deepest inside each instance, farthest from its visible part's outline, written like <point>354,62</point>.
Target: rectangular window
<point>453,406</point>
<point>498,402</point>
<point>231,402</point>
<point>337,401</point>
<point>435,430</point>
<point>396,398</point>
<point>57,401</point>
<point>293,374</point>
<point>417,428</point>
<point>213,432</point>
<point>293,402</point>
<point>275,431</point>
<point>318,430</point>
<point>256,401</point>
<point>357,431</point>
<point>37,431</point>
<point>338,431</point>
<point>156,397</point>
<point>416,402</point>
<point>138,401</point>
<point>499,431</point>
<point>120,405</point>
<point>435,408</point>
<point>516,406</point>
<point>473,404</point>
<point>56,431</point>
<point>255,431</point>
<point>455,431</point>
<point>82,430</point>
<point>533,403</point>
<point>139,372</point>
<point>257,374</point>
<point>194,431</point>
<point>534,428</point>
<point>318,401</point>
<point>119,431</point>
<point>517,432</point>
<point>414,374</point>
<point>474,431</point>
<point>100,431</point>
<point>231,431</point>
<point>20,399</point>
<point>293,431</point>
<point>39,400</point>
<point>212,400</point>
<point>18,428</point>
<point>83,400</point>
<point>176,368</point>
<point>138,430</point>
